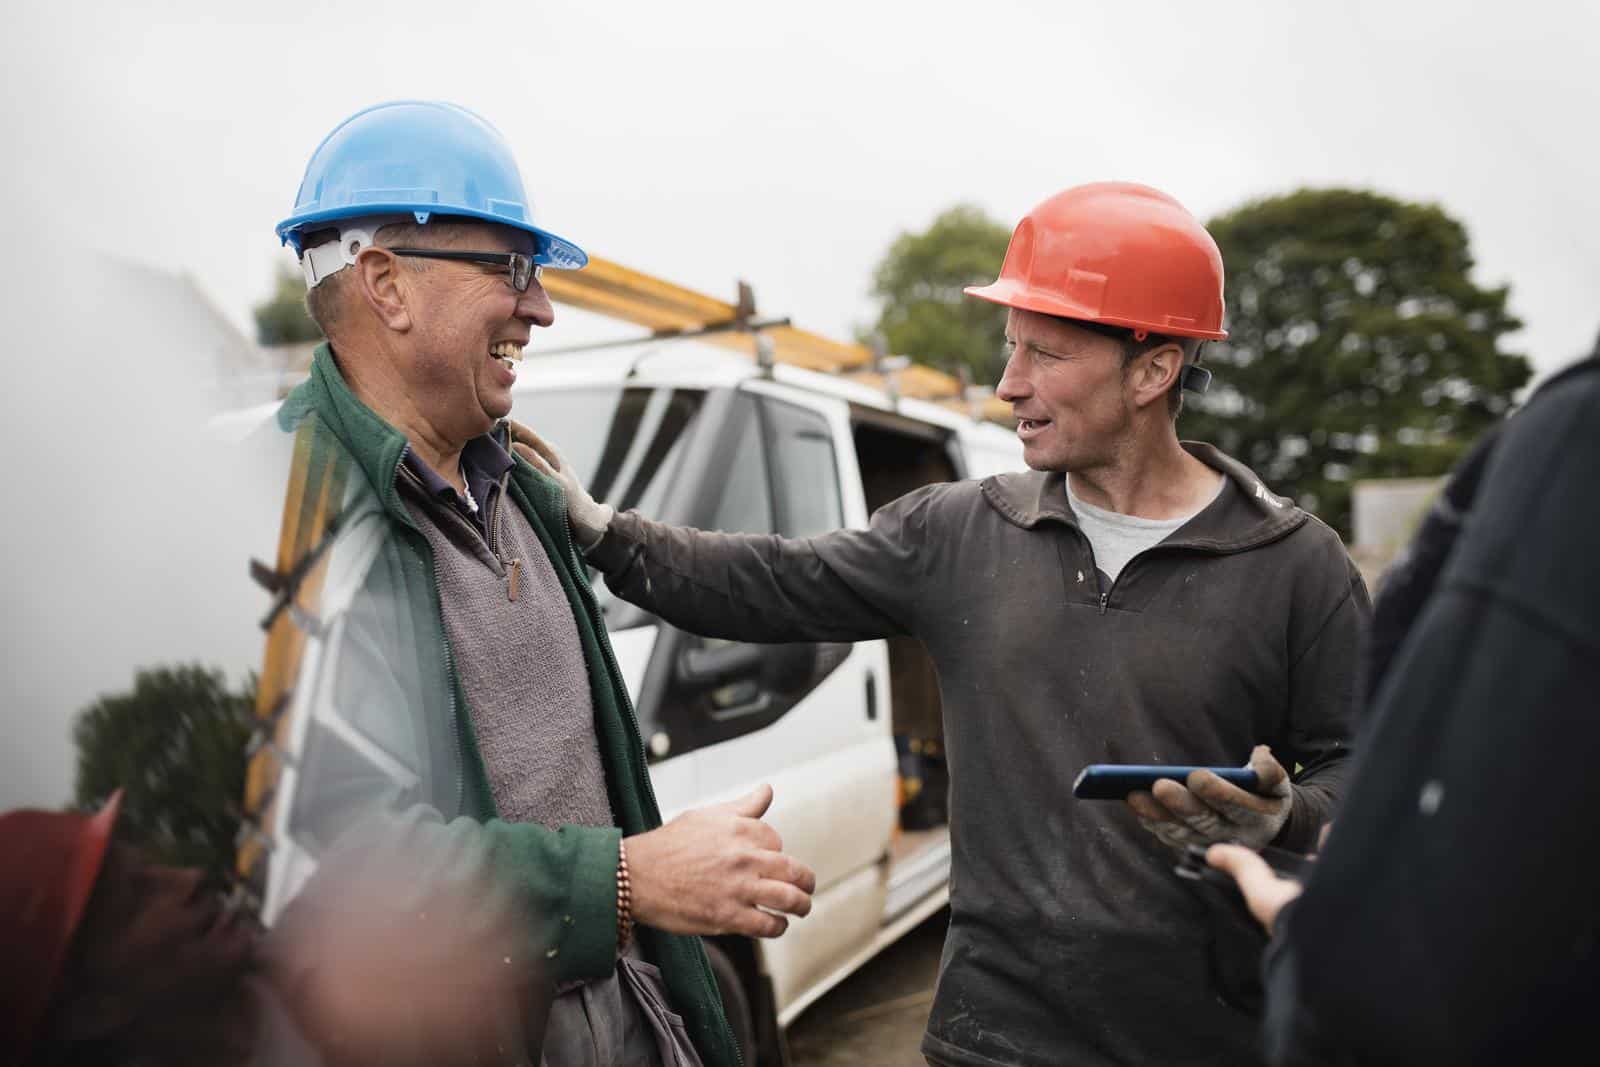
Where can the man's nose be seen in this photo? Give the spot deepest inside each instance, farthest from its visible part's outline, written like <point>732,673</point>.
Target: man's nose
<point>534,307</point>
<point>1013,383</point>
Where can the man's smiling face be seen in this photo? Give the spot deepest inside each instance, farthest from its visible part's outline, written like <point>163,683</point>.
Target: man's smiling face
<point>470,327</point>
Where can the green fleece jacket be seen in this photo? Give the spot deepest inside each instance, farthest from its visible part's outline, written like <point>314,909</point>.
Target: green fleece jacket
<point>566,877</point>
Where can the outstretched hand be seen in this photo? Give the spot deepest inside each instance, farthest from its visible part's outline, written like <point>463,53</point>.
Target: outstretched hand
<point>589,519</point>
<point>1265,892</point>
<point>718,870</point>
<point>1206,810</point>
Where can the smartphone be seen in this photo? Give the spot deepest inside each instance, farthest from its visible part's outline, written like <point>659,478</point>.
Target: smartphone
<point>1113,781</point>
<point>1285,864</point>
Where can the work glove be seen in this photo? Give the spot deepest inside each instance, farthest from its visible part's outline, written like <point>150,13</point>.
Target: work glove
<point>589,519</point>
<point>1205,810</point>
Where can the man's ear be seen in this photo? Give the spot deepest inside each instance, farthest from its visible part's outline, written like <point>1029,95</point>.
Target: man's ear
<point>1156,372</point>
<point>382,285</point>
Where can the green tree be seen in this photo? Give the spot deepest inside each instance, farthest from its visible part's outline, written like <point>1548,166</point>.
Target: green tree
<point>1359,346</point>
<point>925,314</point>
<point>281,319</point>
<point>175,745</point>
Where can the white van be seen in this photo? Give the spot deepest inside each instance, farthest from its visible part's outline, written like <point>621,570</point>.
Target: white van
<point>690,434</point>
<point>849,736</point>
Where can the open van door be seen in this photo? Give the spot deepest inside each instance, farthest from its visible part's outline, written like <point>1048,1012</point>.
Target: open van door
<point>719,717</point>
<point>820,736</point>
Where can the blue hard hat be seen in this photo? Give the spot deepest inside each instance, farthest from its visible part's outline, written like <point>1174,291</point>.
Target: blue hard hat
<point>422,158</point>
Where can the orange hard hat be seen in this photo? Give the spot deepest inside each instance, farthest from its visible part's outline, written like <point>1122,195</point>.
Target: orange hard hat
<point>1115,253</point>
<point>52,860</point>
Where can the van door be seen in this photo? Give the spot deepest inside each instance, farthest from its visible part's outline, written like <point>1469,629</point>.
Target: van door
<point>650,448</point>
<point>809,719</point>
<point>719,717</point>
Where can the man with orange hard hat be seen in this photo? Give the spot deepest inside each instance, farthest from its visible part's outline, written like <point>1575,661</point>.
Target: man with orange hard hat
<point>1131,599</point>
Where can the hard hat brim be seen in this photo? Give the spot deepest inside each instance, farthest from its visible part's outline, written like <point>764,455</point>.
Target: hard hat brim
<point>1014,294</point>
<point>550,250</point>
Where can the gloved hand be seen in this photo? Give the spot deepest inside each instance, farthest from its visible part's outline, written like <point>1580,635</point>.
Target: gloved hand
<point>1205,810</point>
<point>589,519</point>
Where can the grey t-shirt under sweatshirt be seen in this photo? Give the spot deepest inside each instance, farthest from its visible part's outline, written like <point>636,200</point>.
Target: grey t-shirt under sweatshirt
<point>1116,538</point>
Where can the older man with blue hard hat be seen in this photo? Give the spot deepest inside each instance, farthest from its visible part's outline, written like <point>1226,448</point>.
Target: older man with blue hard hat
<point>423,264</point>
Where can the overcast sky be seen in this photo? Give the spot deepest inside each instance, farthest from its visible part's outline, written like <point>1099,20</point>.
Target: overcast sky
<point>789,144</point>
<point>783,144</point>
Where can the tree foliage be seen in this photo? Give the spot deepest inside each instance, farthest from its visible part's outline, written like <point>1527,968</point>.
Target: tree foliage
<point>925,314</point>
<point>1359,346</point>
<point>175,745</point>
<point>282,319</point>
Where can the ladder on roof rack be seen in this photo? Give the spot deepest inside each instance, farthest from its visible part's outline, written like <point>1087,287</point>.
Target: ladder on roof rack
<point>672,311</point>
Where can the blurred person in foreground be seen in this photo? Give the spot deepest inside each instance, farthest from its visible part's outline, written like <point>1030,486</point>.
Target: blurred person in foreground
<point>109,959</point>
<point>486,698</point>
<point>112,959</point>
<point>1453,916</point>
<point>1133,598</point>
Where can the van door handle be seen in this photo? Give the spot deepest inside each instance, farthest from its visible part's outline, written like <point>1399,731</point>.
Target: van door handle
<point>872,697</point>
<point>762,703</point>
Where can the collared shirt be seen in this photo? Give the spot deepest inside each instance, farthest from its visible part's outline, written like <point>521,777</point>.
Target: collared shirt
<point>484,461</point>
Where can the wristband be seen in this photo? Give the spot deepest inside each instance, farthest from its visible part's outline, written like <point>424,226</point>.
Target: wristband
<point>624,898</point>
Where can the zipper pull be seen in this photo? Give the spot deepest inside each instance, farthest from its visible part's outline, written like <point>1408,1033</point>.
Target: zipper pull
<point>1104,597</point>
<point>514,568</point>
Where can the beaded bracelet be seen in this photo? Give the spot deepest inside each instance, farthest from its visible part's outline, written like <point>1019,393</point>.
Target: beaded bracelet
<point>624,898</point>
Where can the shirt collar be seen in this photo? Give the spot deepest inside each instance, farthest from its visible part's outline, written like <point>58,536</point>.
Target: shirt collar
<point>484,461</point>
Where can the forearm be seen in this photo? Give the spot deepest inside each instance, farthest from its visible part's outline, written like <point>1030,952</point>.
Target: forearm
<point>743,587</point>
<point>1291,1031</point>
<point>549,895</point>
<point>1318,736</point>
<point>564,884</point>
<point>412,939</point>
<point>1315,796</point>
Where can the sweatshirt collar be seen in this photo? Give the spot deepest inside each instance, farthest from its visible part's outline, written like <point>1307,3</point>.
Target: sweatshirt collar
<point>1244,514</point>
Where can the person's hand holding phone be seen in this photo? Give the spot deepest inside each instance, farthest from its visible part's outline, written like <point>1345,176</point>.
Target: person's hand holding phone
<point>1205,810</point>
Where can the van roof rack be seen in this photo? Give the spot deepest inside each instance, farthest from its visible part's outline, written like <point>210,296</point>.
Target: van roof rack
<point>672,312</point>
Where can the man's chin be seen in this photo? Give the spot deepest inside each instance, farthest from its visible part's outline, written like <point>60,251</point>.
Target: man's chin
<point>496,408</point>
<point>1042,459</point>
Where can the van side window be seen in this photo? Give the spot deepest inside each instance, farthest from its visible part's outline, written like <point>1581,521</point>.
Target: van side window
<point>746,506</point>
<point>805,479</point>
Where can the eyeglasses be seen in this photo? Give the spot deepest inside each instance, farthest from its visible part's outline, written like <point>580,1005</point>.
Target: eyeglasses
<point>521,268</point>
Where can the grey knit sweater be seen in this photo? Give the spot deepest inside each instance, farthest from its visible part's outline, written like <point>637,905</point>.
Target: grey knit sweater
<point>517,652</point>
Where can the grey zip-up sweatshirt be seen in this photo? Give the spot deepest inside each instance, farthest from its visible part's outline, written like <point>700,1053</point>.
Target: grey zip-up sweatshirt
<point>1071,941</point>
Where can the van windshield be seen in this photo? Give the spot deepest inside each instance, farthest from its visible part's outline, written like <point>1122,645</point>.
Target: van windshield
<point>625,444</point>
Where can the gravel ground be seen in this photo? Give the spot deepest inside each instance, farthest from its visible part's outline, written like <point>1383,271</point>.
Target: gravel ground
<point>875,1017</point>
